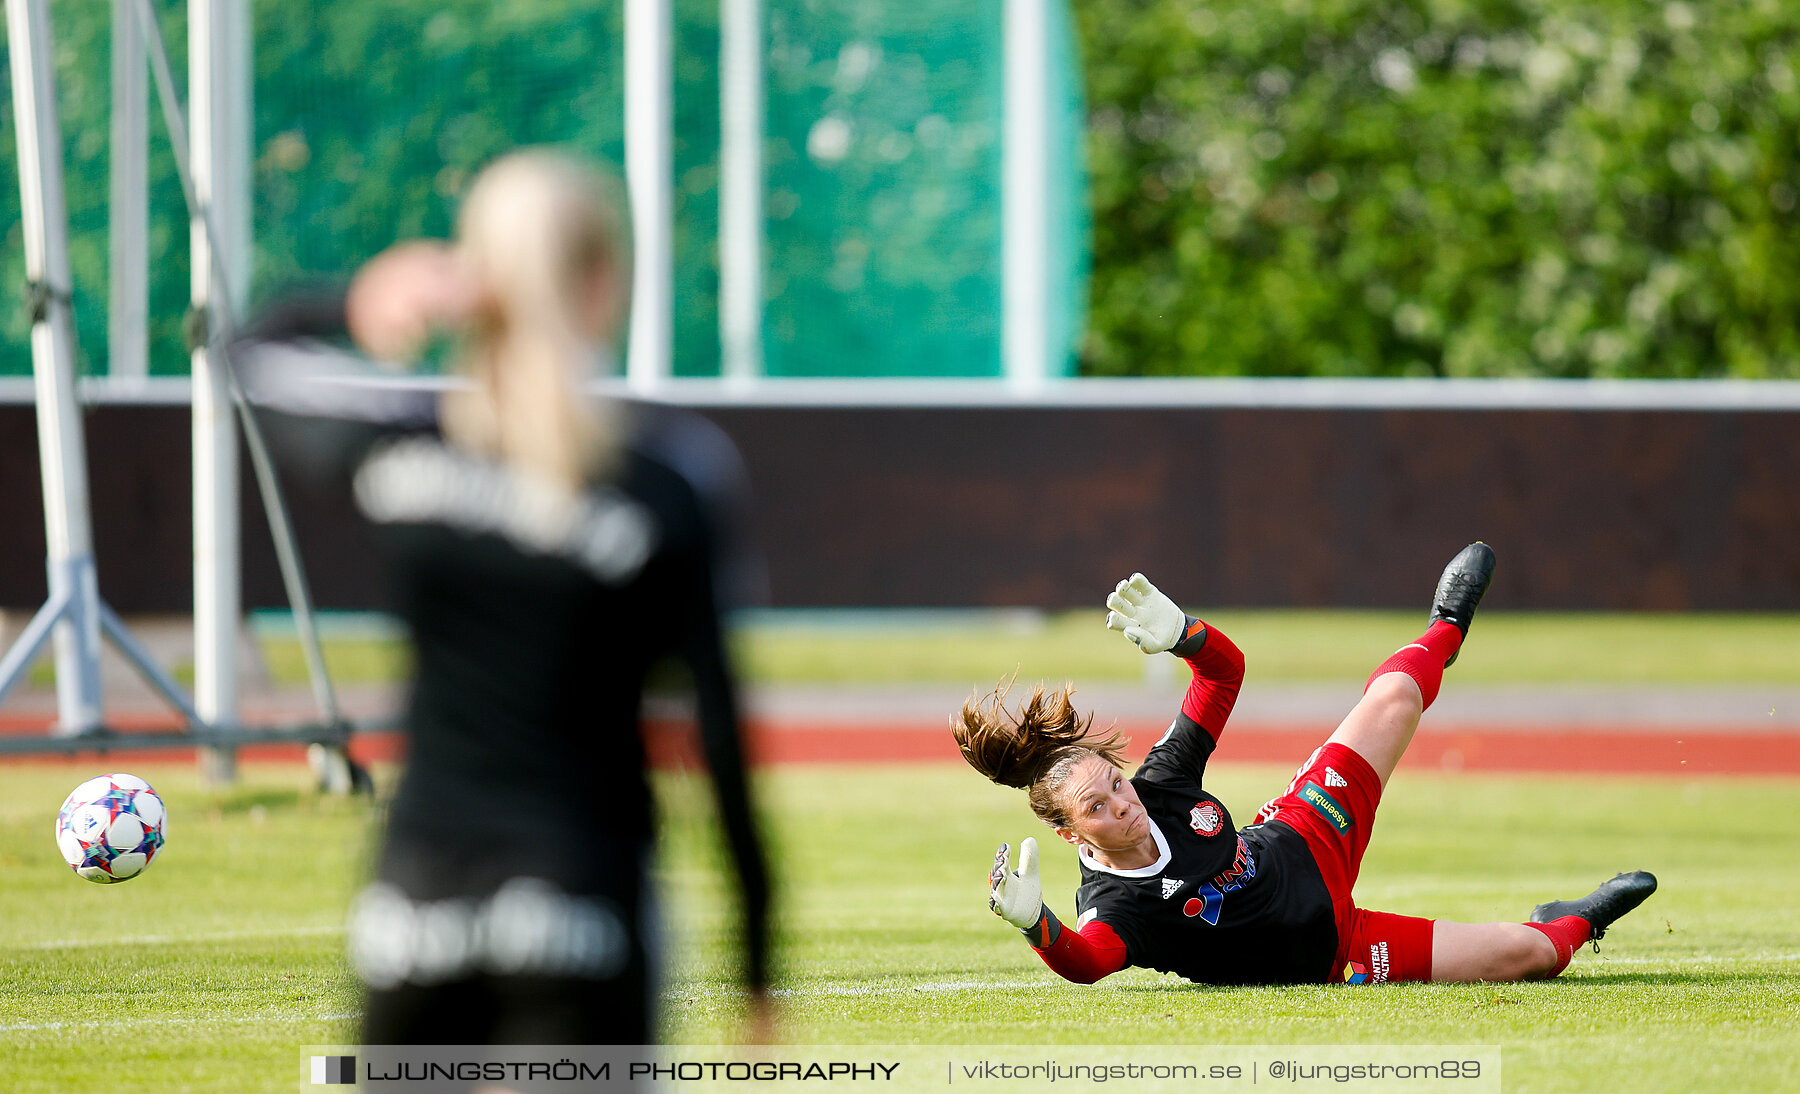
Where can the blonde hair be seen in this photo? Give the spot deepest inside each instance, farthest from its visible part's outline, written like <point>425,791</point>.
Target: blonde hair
<point>1034,750</point>
<point>541,235</point>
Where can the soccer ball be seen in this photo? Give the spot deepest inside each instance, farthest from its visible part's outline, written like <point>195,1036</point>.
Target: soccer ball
<point>110,828</point>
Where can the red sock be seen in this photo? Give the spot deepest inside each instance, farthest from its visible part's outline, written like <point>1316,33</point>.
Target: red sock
<point>1566,934</point>
<point>1424,659</point>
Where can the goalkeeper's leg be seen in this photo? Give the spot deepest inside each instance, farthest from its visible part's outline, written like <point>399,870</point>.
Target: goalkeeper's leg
<point>1494,951</point>
<point>1382,723</point>
<point>1380,948</point>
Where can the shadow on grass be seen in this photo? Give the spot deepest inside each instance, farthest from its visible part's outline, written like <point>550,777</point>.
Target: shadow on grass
<point>1208,989</point>
<point>1665,979</point>
<point>1646,978</point>
<point>243,801</point>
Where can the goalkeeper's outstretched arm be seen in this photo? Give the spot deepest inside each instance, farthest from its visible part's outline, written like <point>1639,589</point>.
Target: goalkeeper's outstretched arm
<point>1018,897</point>
<point>1151,621</point>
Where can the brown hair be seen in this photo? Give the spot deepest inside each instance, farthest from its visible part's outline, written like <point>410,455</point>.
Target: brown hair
<point>536,229</point>
<point>1035,749</point>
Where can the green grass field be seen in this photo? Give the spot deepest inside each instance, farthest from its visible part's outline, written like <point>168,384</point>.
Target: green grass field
<point>875,647</point>
<point>1517,647</point>
<point>210,972</point>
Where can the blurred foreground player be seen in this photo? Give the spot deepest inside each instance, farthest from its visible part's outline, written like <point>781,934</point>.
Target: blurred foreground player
<point>546,550</point>
<point>1167,881</point>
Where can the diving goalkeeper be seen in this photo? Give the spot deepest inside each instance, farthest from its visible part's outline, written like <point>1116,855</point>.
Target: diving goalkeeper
<point>1169,882</point>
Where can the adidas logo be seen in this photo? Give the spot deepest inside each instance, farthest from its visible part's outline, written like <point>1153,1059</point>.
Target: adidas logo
<point>1170,886</point>
<point>1332,778</point>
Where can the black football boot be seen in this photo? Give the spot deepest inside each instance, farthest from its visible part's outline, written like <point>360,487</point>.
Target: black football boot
<point>1602,907</point>
<point>1461,588</point>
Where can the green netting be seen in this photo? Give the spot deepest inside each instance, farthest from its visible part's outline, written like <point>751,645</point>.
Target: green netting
<point>884,207</point>
<point>882,152</point>
<point>82,55</point>
<point>371,118</point>
<point>1070,253</point>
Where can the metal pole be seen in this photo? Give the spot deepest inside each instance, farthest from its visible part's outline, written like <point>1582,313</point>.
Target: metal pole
<point>235,101</point>
<point>1025,197</point>
<point>649,171</point>
<point>30,641</point>
<point>67,533</point>
<point>281,530</point>
<point>217,594</point>
<point>740,189</point>
<point>128,232</point>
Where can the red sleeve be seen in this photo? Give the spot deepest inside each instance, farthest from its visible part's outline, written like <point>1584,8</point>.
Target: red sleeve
<point>1085,956</point>
<point>1218,672</point>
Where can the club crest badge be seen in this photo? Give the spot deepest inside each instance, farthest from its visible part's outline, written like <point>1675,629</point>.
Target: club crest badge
<point>1206,819</point>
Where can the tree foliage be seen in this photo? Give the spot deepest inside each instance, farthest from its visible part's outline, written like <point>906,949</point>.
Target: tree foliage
<point>370,119</point>
<point>1444,187</point>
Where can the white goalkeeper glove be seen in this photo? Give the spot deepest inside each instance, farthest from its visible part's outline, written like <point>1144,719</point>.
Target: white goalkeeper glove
<point>1143,614</point>
<point>1017,897</point>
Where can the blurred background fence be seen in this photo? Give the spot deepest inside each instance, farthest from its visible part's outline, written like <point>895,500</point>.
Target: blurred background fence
<point>1253,501</point>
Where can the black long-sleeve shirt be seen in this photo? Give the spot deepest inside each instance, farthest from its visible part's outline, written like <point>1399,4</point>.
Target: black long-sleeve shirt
<point>535,623</point>
<point>1220,905</point>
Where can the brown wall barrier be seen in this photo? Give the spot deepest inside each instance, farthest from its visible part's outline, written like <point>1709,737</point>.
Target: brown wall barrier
<point>1048,506</point>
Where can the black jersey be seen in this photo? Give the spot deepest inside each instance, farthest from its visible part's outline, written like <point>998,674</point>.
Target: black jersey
<point>535,622</point>
<point>1220,905</point>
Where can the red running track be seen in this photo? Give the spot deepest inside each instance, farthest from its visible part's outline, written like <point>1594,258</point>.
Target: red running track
<point>1664,750</point>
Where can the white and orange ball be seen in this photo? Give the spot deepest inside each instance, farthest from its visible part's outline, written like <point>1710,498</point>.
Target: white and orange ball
<point>111,827</point>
